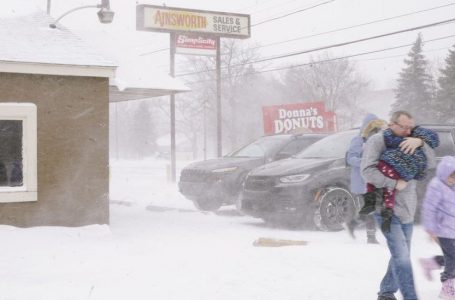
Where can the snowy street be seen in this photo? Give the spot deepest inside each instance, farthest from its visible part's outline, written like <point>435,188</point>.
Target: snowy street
<point>288,109</point>
<point>159,247</point>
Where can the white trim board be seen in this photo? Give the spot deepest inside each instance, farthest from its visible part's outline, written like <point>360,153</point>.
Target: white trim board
<point>27,113</point>
<point>56,69</point>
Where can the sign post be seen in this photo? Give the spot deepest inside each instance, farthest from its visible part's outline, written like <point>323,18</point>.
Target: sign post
<point>172,107</point>
<point>207,26</point>
<point>219,127</point>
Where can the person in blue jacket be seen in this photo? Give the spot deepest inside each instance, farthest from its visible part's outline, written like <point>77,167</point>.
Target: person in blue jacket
<point>371,124</point>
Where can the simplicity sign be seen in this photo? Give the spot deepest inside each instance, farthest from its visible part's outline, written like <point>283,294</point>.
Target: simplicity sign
<point>172,19</point>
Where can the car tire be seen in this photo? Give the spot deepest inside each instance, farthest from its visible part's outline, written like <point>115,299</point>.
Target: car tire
<point>336,206</point>
<point>207,203</point>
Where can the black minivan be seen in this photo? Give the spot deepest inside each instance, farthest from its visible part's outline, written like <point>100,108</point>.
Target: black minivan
<point>216,182</point>
<point>312,188</point>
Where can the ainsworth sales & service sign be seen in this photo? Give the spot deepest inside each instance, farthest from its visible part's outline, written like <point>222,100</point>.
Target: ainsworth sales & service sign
<point>168,19</point>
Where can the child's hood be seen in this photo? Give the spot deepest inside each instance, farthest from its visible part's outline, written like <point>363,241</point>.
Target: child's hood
<point>445,168</point>
<point>368,118</point>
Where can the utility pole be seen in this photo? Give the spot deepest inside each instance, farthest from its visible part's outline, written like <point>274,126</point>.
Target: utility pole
<point>48,7</point>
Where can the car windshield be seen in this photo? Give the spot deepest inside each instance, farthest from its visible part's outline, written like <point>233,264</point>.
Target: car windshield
<point>261,147</point>
<point>332,146</point>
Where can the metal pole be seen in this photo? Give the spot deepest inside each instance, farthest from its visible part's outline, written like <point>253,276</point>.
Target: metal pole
<point>48,7</point>
<point>172,107</point>
<point>205,127</point>
<point>218,97</point>
<point>105,4</point>
<point>116,131</point>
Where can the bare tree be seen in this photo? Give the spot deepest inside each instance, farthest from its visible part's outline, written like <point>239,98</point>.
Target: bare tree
<point>236,72</point>
<point>336,82</point>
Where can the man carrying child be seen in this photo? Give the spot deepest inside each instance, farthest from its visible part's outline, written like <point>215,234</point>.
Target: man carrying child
<point>399,275</point>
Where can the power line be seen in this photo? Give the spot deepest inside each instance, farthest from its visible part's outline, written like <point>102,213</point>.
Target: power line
<point>272,7</point>
<point>401,55</point>
<point>323,61</point>
<point>251,6</point>
<point>329,46</point>
<point>155,51</point>
<point>334,30</point>
<point>354,26</point>
<point>292,13</point>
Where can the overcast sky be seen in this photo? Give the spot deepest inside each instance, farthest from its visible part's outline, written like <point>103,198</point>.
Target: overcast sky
<point>381,67</point>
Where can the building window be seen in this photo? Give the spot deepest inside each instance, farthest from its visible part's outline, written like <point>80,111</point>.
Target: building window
<point>18,171</point>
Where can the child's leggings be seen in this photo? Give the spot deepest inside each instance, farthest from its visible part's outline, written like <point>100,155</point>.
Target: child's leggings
<point>389,194</point>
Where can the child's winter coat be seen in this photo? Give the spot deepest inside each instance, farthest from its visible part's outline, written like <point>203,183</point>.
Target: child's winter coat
<point>371,124</point>
<point>408,166</point>
<point>438,210</point>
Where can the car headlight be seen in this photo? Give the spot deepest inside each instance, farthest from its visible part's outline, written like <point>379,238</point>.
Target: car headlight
<point>225,170</point>
<point>294,178</point>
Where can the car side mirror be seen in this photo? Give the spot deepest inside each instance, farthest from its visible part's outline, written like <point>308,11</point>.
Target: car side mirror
<point>282,155</point>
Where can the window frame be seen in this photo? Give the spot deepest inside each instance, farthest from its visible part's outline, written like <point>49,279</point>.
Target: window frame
<point>27,113</point>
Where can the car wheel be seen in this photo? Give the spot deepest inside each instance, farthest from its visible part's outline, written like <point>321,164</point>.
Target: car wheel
<point>336,207</point>
<point>207,203</point>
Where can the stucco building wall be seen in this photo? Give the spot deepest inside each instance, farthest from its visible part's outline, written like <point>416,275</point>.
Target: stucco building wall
<point>73,155</point>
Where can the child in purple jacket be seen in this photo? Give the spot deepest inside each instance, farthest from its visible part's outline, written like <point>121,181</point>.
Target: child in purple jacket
<point>438,215</point>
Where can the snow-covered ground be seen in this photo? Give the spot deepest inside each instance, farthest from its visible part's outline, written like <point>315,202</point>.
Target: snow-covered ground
<point>159,247</point>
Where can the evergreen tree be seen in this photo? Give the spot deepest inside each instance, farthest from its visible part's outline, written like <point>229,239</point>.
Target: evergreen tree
<point>415,93</point>
<point>445,104</point>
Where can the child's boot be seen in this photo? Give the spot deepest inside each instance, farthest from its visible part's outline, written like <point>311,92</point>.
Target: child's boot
<point>386,215</point>
<point>447,291</point>
<point>370,203</point>
<point>428,265</point>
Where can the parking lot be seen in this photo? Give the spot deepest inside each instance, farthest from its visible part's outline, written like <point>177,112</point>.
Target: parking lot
<point>203,255</point>
<point>158,246</point>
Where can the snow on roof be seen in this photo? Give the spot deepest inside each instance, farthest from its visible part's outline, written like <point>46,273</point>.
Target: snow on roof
<point>133,75</point>
<point>26,38</point>
<point>14,9</point>
<point>29,45</point>
<point>134,71</point>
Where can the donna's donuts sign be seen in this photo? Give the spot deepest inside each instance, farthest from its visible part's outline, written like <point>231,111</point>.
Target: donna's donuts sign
<point>298,117</point>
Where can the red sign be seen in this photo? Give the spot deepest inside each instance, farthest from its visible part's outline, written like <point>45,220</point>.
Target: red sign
<point>285,118</point>
<point>195,44</point>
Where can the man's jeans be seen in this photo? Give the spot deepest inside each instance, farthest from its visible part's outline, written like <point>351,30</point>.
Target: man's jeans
<point>399,272</point>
